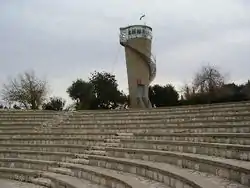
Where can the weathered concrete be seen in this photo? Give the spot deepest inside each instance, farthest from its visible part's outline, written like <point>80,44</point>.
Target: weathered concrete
<point>17,184</point>
<point>185,147</point>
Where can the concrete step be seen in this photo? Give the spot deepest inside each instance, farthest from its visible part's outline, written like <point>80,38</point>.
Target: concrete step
<point>7,183</point>
<point>147,128</point>
<point>121,126</point>
<point>96,152</point>
<point>230,151</point>
<point>27,175</point>
<point>203,107</point>
<point>124,134</point>
<point>49,156</point>
<point>79,161</point>
<point>160,120</point>
<point>70,181</point>
<point>82,173</point>
<point>130,179</point>
<point>112,140</point>
<point>57,148</point>
<point>226,138</point>
<point>149,113</point>
<point>170,117</point>
<point>50,140</point>
<point>224,168</point>
<point>169,174</point>
<point>42,181</point>
<point>59,135</point>
<point>137,123</point>
<point>61,170</point>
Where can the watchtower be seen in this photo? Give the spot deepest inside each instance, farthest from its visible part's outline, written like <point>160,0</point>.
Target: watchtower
<point>141,65</point>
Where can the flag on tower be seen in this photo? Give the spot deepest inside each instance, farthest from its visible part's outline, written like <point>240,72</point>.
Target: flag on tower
<point>142,16</point>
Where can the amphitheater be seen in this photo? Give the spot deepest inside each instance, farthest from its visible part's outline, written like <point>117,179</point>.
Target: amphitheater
<point>205,146</point>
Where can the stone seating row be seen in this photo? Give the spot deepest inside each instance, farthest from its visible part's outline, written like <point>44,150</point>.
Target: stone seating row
<point>227,138</point>
<point>142,129</point>
<point>206,115</point>
<point>175,156</point>
<point>30,116</point>
<point>41,114</point>
<point>24,157</point>
<point>145,123</point>
<point>124,152</point>
<point>45,140</point>
<point>44,135</point>
<point>243,116</point>
<point>230,151</point>
<point>194,161</point>
<point>234,151</point>
<point>157,112</point>
<point>244,127</point>
<point>56,148</point>
<point>29,176</point>
<point>22,122</point>
<point>234,170</point>
<point>172,177</point>
<point>111,123</point>
<point>76,180</point>
<point>197,108</point>
<point>128,124</point>
<point>220,144</point>
<point>53,170</point>
<point>56,130</point>
<point>134,119</point>
<point>85,138</point>
<point>7,183</point>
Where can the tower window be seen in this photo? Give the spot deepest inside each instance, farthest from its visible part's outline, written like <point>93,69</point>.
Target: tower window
<point>129,32</point>
<point>138,31</point>
<point>133,31</point>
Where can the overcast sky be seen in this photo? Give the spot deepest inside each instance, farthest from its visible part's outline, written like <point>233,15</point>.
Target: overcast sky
<point>63,40</point>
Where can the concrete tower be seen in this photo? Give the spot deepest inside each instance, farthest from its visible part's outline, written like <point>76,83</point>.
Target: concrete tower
<point>141,66</point>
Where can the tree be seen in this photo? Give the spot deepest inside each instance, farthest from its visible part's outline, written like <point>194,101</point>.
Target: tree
<point>188,92</point>
<point>106,91</point>
<point>245,90</point>
<point>208,80</point>
<point>26,89</point>
<point>100,92</point>
<point>82,93</point>
<point>205,87</point>
<point>163,95</point>
<point>55,103</point>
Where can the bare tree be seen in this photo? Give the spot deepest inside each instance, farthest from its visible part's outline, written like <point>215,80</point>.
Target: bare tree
<point>208,80</point>
<point>26,89</point>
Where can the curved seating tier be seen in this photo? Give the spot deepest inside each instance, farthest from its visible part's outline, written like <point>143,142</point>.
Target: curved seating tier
<point>204,146</point>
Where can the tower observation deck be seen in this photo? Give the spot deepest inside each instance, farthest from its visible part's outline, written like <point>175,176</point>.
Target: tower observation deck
<point>141,65</point>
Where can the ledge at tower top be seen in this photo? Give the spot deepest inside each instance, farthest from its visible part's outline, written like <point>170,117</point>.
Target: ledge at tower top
<point>141,65</point>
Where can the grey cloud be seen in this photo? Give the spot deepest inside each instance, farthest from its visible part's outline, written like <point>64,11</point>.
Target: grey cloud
<point>63,40</point>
